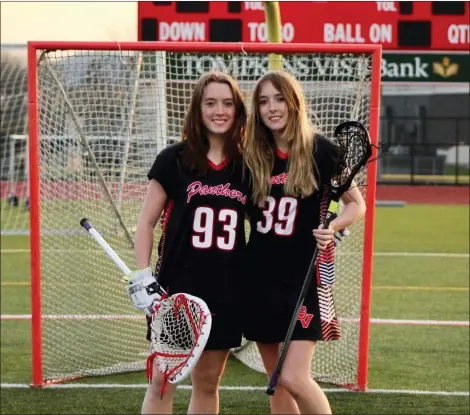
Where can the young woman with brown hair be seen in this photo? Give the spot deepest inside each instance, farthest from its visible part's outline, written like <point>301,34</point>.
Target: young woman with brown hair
<point>197,188</point>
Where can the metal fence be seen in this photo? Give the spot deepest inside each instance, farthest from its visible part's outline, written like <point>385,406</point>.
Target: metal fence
<point>424,150</point>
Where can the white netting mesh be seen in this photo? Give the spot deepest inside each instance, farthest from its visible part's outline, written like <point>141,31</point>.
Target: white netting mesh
<point>13,143</point>
<point>127,106</point>
<point>177,328</point>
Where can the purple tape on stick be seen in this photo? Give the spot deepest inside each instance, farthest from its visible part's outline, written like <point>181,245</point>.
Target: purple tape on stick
<point>87,225</point>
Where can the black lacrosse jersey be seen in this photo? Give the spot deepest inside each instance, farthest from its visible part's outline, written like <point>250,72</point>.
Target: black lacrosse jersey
<point>202,247</point>
<point>281,243</point>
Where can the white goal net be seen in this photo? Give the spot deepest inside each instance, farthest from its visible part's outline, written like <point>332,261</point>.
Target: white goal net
<point>102,118</point>
<point>13,142</point>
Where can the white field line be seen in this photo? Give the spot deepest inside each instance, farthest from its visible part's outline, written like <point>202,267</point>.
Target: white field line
<point>227,388</point>
<point>392,254</point>
<point>422,254</point>
<point>376,287</point>
<point>138,317</point>
<point>420,322</point>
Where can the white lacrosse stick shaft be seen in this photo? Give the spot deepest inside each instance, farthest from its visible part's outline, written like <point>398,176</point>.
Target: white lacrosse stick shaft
<point>203,334</point>
<point>98,238</point>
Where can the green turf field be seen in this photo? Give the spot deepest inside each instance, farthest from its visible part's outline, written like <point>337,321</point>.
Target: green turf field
<point>404,362</point>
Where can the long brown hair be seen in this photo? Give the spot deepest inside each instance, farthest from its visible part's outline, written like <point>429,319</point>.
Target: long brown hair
<point>195,152</point>
<point>259,145</point>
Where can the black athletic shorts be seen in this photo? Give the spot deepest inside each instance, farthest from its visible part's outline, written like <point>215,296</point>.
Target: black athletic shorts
<point>226,331</point>
<point>267,317</point>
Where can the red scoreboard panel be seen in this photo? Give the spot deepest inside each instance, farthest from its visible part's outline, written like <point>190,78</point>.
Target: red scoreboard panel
<point>397,25</point>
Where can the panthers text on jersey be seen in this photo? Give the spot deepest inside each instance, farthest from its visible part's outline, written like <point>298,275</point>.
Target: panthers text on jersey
<point>202,247</point>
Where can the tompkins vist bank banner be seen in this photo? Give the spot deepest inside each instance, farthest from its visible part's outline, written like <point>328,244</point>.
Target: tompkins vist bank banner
<point>396,67</point>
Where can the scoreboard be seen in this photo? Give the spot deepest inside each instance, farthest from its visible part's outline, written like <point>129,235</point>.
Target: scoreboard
<point>397,25</point>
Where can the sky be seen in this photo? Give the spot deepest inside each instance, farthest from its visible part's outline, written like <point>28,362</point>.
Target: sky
<point>86,21</point>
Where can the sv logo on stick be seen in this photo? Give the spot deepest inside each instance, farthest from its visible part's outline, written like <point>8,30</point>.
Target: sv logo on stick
<point>304,317</point>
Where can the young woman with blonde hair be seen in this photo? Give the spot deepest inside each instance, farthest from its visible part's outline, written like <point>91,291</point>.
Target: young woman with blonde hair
<point>291,167</point>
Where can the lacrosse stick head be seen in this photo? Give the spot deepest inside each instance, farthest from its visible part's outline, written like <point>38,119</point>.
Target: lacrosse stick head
<point>355,150</point>
<point>180,328</point>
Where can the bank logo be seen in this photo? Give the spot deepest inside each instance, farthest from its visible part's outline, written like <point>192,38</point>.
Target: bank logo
<point>445,69</point>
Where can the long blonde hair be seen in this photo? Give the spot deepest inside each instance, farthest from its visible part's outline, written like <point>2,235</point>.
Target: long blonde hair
<point>259,145</point>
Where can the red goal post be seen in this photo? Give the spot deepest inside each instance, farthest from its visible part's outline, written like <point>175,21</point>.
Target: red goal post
<point>91,142</point>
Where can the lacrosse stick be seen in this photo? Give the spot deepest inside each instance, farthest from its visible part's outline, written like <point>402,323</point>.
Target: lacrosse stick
<point>355,150</point>
<point>180,326</point>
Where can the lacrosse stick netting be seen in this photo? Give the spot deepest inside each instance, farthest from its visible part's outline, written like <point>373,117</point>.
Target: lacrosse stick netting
<point>180,328</point>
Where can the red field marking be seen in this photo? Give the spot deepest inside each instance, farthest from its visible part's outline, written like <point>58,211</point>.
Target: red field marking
<point>75,191</point>
<point>446,195</point>
<point>451,195</point>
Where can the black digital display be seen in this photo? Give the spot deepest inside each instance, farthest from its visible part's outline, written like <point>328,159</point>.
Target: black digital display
<point>414,34</point>
<point>148,29</point>
<point>405,7</point>
<point>192,7</point>
<point>448,8</point>
<point>234,6</point>
<point>225,30</point>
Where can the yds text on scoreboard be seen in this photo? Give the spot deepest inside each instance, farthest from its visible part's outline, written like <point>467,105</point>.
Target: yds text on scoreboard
<point>396,25</point>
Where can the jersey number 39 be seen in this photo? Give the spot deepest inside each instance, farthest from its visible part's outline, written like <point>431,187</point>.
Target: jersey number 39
<point>280,216</point>
<point>203,227</point>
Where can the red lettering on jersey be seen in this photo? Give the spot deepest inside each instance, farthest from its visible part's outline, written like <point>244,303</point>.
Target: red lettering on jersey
<point>279,179</point>
<point>304,317</point>
<point>220,190</point>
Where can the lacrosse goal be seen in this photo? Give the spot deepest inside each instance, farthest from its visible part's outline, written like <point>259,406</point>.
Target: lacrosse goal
<point>98,115</point>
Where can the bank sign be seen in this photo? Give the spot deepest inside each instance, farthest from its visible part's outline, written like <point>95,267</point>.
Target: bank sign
<point>406,67</point>
<point>396,67</point>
